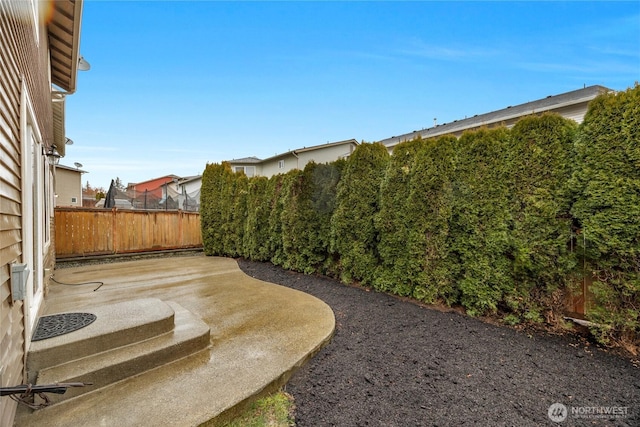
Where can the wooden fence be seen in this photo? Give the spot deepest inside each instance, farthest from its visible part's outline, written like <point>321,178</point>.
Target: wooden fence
<point>88,231</point>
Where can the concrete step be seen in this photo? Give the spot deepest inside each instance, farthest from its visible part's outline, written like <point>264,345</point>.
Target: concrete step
<point>189,336</point>
<point>116,325</point>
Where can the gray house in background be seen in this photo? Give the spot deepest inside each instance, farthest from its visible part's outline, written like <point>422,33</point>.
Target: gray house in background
<point>572,105</point>
<point>294,159</point>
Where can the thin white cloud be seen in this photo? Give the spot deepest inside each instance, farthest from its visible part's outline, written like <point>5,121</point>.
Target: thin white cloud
<point>183,151</point>
<point>418,48</point>
<point>615,51</point>
<point>92,148</point>
<point>589,68</point>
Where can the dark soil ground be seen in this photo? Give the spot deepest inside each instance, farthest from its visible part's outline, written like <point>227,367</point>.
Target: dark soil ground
<point>396,363</point>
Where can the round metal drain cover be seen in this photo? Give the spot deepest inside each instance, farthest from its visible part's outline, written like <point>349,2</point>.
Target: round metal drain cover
<point>60,324</point>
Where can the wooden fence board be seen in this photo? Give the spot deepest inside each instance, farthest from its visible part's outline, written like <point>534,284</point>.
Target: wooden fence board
<point>90,231</point>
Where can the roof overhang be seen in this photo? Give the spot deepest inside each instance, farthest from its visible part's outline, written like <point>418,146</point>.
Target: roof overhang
<point>64,47</point>
<point>64,43</point>
<point>59,135</point>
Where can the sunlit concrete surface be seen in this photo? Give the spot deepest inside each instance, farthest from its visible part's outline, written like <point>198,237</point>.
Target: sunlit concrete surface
<point>260,334</point>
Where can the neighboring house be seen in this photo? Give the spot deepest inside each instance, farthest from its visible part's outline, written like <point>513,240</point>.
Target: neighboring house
<point>68,186</point>
<point>189,184</point>
<point>188,189</point>
<point>38,49</point>
<point>295,159</point>
<point>572,105</point>
<point>155,186</point>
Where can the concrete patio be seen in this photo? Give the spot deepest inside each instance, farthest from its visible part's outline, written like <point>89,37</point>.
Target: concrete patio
<point>260,333</point>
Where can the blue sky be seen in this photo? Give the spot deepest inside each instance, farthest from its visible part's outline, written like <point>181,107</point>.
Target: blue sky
<point>174,85</point>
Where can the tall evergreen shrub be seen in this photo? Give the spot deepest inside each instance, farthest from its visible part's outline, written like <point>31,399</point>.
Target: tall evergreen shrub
<point>237,216</point>
<point>215,207</point>
<point>541,160</point>
<point>393,220</point>
<point>479,228</point>
<point>300,223</point>
<point>353,234</point>
<point>607,208</point>
<point>429,208</point>
<point>276,249</point>
<point>325,179</point>
<point>256,235</point>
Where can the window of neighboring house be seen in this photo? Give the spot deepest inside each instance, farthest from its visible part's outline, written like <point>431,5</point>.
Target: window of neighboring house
<point>281,164</point>
<point>249,171</point>
<point>74,200</point>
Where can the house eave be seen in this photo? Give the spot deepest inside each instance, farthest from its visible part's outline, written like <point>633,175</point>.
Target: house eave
<point>551,103</point>
<point>59,135</point>
<point>64,43</point>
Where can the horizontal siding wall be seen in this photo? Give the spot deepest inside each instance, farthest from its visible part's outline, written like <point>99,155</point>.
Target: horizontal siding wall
<point>23,61</point>
<point>11,315</point>
<point>87,231</point>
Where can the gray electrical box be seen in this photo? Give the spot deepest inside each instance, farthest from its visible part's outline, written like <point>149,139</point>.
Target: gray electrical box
<point>19,276</point>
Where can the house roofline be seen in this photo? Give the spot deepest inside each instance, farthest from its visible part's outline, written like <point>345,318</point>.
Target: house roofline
<point>498,116</point>
<point>69,168</point>
<point>64,43</point>
<point>255,160</point>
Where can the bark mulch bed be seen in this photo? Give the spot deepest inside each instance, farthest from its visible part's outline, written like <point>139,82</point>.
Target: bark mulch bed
<point>396,363</point>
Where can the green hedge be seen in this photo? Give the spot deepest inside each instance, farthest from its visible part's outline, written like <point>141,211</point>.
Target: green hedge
<point>276,248</point>
<point>215,208</point>
<point>413,222</point>
<point>541,161</point>
<point>606,186</point>
<point>480,220</point>
<point>255,242</point>
<point>430,205</point>
<point>353,233</point>
<point>393,221</point>
<point>498,220</point>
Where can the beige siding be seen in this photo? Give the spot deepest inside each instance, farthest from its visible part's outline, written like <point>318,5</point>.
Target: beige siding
<point>326,154</point>
<point>11,316</point>
<point>22,59</point>
<point>271,166</point>
<point>574,112</point>
<point>68,187</point>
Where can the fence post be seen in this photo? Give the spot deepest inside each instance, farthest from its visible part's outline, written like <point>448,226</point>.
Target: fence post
<point>114,230</point>
<point>180,228</point>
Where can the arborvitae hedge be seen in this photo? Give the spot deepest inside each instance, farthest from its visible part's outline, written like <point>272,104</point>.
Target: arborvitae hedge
<point>429,206</point>
<point>353,233</point>
<point>496,220</point>
<point>325,178</point>
<point>393,220</point>
<point>256,234</point>
<point>233,239</point>
<point>215,207</point>
<point>541,159</point>
<point>481,218</point>
<point>606,186</point>
<point>276,250</point>
<point>301,241</point>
